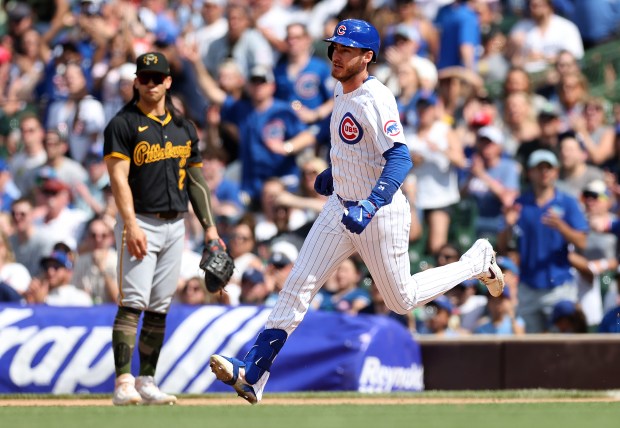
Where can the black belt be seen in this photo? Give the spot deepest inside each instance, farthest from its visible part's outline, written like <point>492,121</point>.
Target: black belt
<point>347,204</point>
<point>165,215</point>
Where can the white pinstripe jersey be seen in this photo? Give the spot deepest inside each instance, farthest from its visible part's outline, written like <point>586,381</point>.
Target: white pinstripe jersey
<point>364,124</point>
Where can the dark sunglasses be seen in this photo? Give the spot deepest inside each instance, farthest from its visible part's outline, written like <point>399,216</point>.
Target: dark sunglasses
<point>157,78</point>
<point>590,195</point>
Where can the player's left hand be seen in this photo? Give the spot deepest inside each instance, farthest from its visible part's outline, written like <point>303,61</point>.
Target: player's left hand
<point>324,183</point>
<point>358,216</point>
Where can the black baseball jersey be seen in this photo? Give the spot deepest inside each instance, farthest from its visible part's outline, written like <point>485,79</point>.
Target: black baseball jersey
<point>160,153</point>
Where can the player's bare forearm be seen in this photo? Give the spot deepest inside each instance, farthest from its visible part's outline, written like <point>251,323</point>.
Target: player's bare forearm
<point>118,170</point>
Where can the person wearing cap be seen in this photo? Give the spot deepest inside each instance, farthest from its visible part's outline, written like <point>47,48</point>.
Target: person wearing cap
<point>55,287</point>
<point>568,317</point>
<point>493,181</point>
<point>544,221</point>
<point>551,128</point>
<point>60,221</point>
<point>440,319</point>
<point>576,172</point>
<point>597,263</point>
<point>254,289</point>
<point>305,81</point>
<point>436,153</point>
<point>153,160</point>
<point>469,303</point>
<point>502,318</point>
<point>279,266</point>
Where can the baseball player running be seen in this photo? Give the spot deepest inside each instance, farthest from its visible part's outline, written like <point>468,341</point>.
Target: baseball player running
<point>152,157</point>
<point>365,213</point>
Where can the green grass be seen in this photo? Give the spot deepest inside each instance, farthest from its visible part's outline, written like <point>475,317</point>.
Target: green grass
<point>495,415</point>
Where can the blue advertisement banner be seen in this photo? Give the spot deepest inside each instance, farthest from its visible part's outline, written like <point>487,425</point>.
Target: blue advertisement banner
<point>62,350</point>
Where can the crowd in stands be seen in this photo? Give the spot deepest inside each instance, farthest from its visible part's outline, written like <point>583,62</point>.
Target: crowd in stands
<point>506,139</point>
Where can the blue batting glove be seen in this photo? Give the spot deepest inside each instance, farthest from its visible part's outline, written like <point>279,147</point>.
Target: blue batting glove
<point>324,183</point>
<point>359,216</point>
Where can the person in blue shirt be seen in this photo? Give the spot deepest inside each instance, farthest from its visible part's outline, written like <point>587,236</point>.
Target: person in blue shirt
<point>545,222</point>
<point>502,317</point>
<point>305,81</point>
<point>270,135</point>
<point>460,37</point>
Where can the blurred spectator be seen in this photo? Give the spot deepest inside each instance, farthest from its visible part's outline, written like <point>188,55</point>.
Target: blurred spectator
<point>90,196</point>
<point>437,153</point>
<point>244,44</point>
<point>572,90</point>
<point>492,64</point>
<point>377,306</point>
<point>58,164</point>
<point>279,266</point>
<point>549,138</point>
<point>518,80</point>
<point>437,319</point>
<point>502,317</point>
<point>349,296</point>
<point>306,199</point>
<point>271,134</point>
<point>470,306</point>
<point>31,55</point>
<point>568,317</point>
<point>599,255</point>
<point>409,14</point>
<point>193,292</point>
<point>33,153</point>
<point>565,64</point>
<point>254,289</point>
<point>13,274</point>
<point>598,21</point>
<point>273,219</point>
<point>408,95</point>
<point>545,222</point>
<point>536,41</point>
<point>8,190</point>
<point>55,287</point>
<point>60,222</point>
<point>271,20</point>
<point>224,191</point>
<point>511,277</point>
<point>117,88</point>
<point>241,246</point>
<point>95,268</point>
<point>611,321</point>
<point>459,31</point>
<point>27,245</point>
<point>575,173</point>
<point>597,134</point>
<point>492,181</point>
<point>520,124</point>
<point>214,25</point>
<point>305,81</point>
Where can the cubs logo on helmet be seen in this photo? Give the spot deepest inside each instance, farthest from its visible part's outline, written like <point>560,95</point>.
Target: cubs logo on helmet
<point>342,30</point>
<point>391,128</point>
<point>350,130</point>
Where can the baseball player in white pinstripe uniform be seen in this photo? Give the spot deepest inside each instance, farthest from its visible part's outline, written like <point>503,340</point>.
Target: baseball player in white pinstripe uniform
<point>366,213</point>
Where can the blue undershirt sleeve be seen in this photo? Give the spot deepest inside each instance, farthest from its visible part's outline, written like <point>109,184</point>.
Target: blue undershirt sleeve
<point>394,173</point>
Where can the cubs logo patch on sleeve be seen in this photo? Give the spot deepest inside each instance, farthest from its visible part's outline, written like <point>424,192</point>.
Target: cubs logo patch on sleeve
<point>350,130</point>
<point>391,128</point>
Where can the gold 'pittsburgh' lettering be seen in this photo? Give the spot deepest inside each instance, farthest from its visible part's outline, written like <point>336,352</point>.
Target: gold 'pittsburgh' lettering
<point>148,153</point>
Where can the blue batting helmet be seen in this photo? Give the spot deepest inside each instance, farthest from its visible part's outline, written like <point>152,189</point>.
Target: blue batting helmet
<point>356,33</point>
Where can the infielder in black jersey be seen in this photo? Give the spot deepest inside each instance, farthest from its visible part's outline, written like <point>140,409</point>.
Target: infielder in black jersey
<point>155,168</point>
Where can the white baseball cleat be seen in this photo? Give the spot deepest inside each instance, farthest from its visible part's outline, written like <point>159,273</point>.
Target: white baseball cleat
<point>150,393</point>
<point>231,371</point>
<point>493,278</point>
<point>125,393</point>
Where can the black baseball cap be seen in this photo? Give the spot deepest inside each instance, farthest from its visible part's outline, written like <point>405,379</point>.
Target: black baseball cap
<point>153,62</point>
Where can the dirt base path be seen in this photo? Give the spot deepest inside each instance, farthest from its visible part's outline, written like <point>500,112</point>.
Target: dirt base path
<point>305,401</point>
